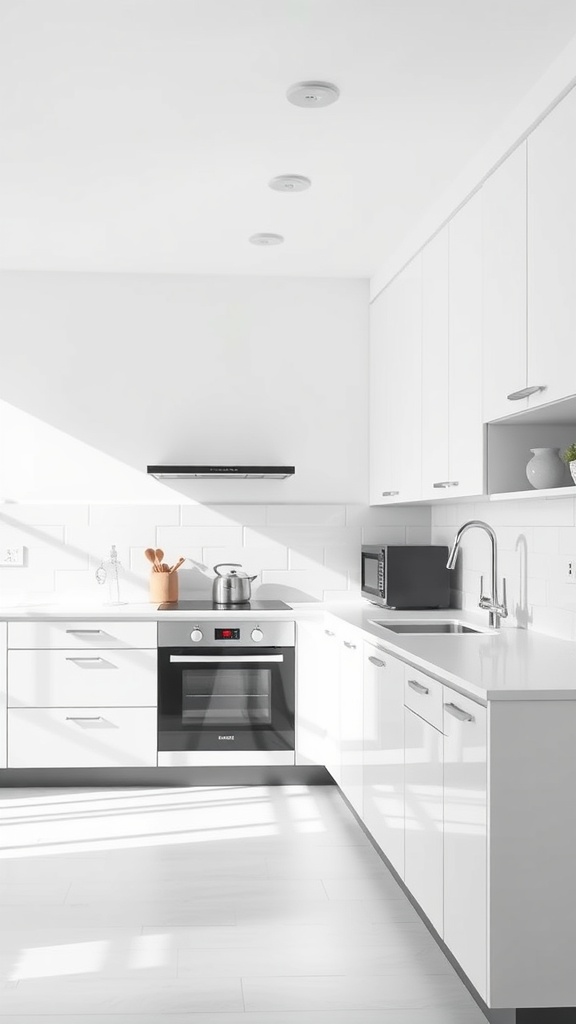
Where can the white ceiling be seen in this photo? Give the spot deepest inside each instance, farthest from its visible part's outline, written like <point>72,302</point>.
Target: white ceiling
<point>139,135</point>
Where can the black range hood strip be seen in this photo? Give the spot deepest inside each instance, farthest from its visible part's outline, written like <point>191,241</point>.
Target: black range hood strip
<point>206,472</point>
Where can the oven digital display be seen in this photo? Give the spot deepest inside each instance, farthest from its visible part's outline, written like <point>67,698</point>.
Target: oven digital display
<point>226,634</point>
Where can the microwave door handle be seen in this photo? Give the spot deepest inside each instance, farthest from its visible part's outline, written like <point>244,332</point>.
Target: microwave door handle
<point>215,659</point>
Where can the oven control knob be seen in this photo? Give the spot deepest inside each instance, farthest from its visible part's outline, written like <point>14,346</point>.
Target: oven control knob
<point>257,635</point>
<point>196,635</point>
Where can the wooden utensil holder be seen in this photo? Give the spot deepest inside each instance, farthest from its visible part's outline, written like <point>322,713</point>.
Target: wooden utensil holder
<point>163,587</point>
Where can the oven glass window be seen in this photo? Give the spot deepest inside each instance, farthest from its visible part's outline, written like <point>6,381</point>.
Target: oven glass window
<point>370,571</point>
<point>227,696</point>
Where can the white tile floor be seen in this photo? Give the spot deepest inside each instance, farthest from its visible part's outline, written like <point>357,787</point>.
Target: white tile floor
<point>216,905</point>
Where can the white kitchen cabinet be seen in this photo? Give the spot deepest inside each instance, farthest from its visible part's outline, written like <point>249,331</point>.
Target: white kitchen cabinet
<point>465,824</point>
<point>504,288</point>
<point>351,719</point>
<point>311,694</point>
<point>423,802</point>
<point>435,366</point>
<point>72,633</point>
<point>330,666</point>
<point>552,254</point>
<point>395,382</point>
<point>82,737</point>
<point>3,693</point>
<point>383,753</point>
<point>465,422</point>
<point>101,678</point>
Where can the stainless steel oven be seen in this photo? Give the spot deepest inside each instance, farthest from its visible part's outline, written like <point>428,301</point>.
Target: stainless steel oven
<point>226,692</point>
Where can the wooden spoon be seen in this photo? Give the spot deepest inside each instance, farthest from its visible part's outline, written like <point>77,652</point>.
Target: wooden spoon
<point>151,556</point>
<point>177,565</point>
<point>159,557</point>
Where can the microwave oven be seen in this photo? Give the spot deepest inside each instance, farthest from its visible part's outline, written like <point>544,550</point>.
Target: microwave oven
<point>406,576</point>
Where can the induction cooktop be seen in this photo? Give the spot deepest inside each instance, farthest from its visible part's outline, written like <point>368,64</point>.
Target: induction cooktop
<point>210,606</point>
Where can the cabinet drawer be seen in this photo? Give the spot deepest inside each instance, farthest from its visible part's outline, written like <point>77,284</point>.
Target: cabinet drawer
<point>73,678</point>
<point>424,696</point>
<point>78,634</point>
<point>81,737</point>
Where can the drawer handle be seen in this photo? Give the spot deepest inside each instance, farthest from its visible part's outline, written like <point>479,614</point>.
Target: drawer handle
<point>446,483</point>
<point>329,632</point>
<point>376,661</point>
<point>81,632</point>
<point>80,658</point>
<point>515,396</point>
<point>84,718</point>
<point>347,643</point>
<point>390,494</point>
<point>457,712</point>
<point>418,687</point>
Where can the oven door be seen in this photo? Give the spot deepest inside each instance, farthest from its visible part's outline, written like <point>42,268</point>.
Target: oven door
<point>218,699</point>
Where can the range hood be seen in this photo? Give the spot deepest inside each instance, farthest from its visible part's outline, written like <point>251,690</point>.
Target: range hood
<point>208,472</point>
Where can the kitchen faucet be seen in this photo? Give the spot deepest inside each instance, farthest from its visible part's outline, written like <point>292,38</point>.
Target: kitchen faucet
<point>490,604</point>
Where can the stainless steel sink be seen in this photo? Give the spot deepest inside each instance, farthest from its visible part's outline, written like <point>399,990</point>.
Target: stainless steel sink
<point>447,626</point>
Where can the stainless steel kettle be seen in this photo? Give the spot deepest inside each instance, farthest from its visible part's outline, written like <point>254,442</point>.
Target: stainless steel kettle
<point>231,587</point>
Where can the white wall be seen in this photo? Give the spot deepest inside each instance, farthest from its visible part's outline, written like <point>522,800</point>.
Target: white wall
<point>300,552</point>
<point>536,537</point>
<point>146,369</point>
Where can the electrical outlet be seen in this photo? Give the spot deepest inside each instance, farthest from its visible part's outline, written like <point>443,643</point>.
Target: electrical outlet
<point>570,570</point>
<point>11,556</point>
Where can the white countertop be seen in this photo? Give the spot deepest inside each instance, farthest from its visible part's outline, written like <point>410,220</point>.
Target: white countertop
<point>511,664</point>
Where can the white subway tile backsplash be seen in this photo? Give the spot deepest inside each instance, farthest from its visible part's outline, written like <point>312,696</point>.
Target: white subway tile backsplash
<point>12,534</point>
<point>383,535</point>
<point>44,514</point>
<point>388,515</point>
<point>545,539</point>
<point>418,535</point>
<point>306,558</point>
<point>180,538</point>
<point>306,515</point>
<point>148,516</point>
<point>298,536</point>
<point>274,556</point>
<point>223,515</point>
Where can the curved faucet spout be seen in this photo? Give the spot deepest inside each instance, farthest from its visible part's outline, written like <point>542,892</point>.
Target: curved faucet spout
<point>497,610</point>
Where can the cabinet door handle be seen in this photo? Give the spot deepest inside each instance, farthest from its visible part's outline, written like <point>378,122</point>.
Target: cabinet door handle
<point>446,483</point>
<point>389,494</point>
<point>376,661</point>
<point>348,644</point>
<point>457,712</point>
<point>417,686</point>
<point>81,632</point>
<point>515,396</point>
<point>329,632</point>
<point>84,718</point>
<point>80,659</point>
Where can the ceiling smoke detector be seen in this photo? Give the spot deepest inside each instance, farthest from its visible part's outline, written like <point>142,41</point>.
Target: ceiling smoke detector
<point>313,94</point>
<point>266,238</point>
<point>290,183</point>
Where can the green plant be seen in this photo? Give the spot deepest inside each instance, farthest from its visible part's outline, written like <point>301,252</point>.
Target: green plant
<point>570,454</point>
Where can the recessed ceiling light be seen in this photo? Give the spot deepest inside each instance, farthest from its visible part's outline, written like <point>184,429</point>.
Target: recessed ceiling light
<point>266,238</point>
<point>290,183</point>
<point>313,94</point>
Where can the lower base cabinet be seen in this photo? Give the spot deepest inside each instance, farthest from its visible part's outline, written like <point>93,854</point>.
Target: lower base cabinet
<point>383,753</point>
<point>351,721</point>
<point>82,737</point>
<point>465,854</point>
<point>423,820</point>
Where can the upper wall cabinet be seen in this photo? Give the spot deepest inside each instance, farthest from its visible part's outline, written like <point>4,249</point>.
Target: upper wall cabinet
<point>504,367</point>
<point>552,254</point>
<point>395,389</point>
<point>452,428</point>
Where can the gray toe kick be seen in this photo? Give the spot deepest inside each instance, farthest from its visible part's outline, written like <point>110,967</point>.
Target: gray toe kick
<point>543,1015</point>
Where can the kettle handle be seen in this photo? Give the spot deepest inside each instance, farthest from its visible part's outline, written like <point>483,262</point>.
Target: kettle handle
<point>238,565</point>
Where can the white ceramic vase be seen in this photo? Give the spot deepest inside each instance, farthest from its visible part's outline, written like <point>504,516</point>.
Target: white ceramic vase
<point>572,466</point>
<point>545,468</point>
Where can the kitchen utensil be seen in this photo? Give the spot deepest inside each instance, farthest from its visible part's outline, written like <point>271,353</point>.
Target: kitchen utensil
<point>232,587</point>
<point>150,555</point>
<point>163,587</point>
<point>159,557</point>
<point>177,565</point>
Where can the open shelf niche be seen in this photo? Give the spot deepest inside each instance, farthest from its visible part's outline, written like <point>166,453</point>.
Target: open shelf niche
<point>509,443</point>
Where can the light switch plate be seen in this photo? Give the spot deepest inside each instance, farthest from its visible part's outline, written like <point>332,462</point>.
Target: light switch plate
<point>11,556</point>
